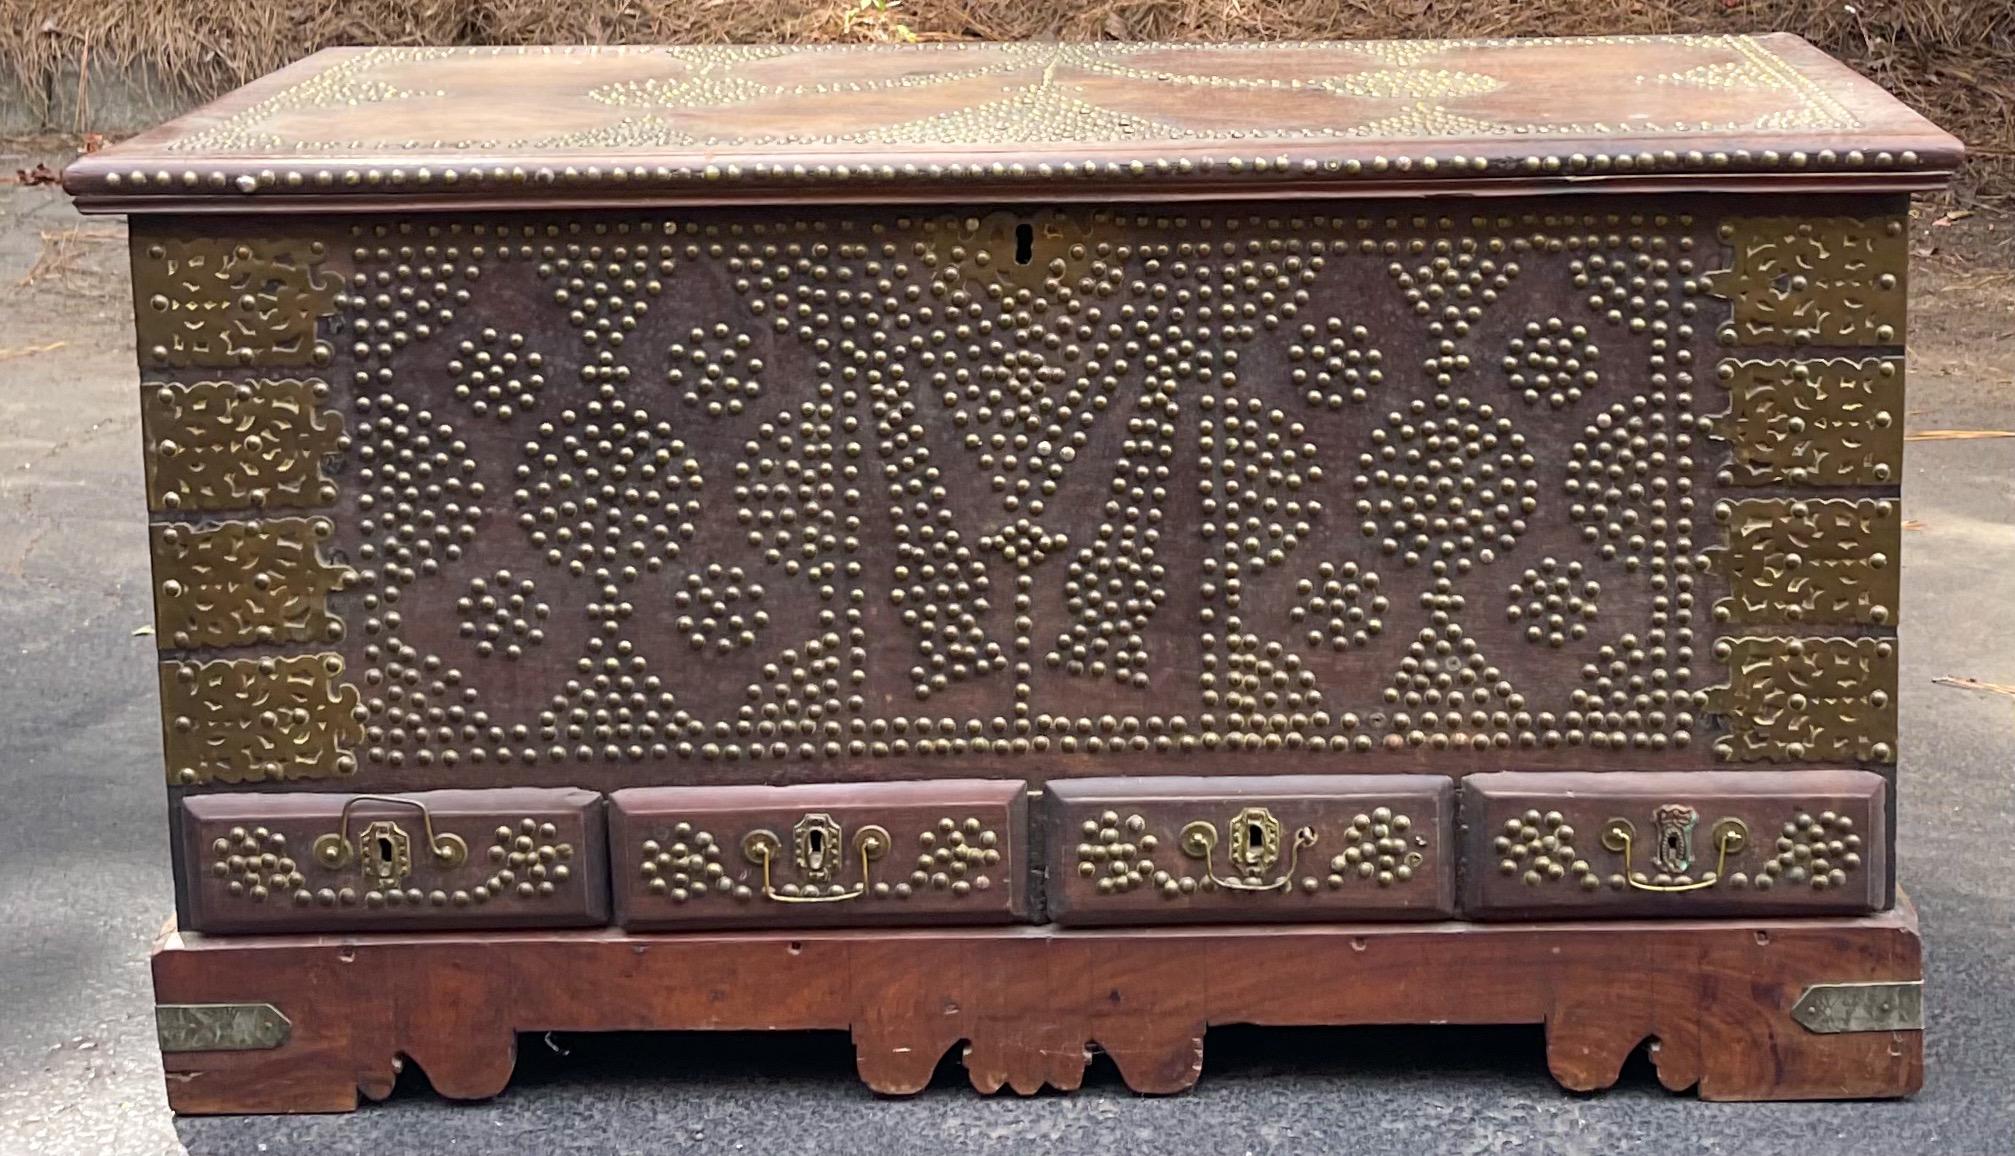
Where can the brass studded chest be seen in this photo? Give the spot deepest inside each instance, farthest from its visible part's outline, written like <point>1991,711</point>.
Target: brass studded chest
<point>693,491</point>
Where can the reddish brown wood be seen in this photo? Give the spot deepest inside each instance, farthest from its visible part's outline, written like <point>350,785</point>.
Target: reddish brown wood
<point>1715,997</point>
<point>481,127</point>
<point>1370,846</point>
<point>1813,842</point>
<point>528,857</point>
<point>947,851</point>
<point>1167,714</point>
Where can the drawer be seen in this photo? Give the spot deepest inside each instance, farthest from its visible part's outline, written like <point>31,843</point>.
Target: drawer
<point>1675,843</point>
<point>1276,847</point>
<point>841,855</point>
<point>432,859</point>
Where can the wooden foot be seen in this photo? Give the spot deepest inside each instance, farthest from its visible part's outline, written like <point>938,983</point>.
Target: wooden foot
<point>1714,999</point>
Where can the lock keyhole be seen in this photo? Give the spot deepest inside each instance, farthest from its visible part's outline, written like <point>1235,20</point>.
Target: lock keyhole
<point>815,845</point>
<point>386,850</point>
<point>1024,243</point>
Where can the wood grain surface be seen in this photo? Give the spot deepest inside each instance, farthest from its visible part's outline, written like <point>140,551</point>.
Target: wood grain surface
<point>1806,842</point>
<point>1028,1003</point>
<point>1047,120</point>
<point>948,851</point>
<point>1281,848</point>
<point>528,857</point>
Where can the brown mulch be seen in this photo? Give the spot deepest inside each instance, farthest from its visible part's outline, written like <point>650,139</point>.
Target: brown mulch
<point>1954,60</point>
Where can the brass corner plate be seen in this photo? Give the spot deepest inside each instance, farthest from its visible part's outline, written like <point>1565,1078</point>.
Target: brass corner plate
<point>255,582</point>
<point>1807,699</point>
<point>1832,281</point>
<point>220,1027</point>
<point>257,443</point>
<point>267,719</point>
<point>220,302</point>
<point>1833,1008</point>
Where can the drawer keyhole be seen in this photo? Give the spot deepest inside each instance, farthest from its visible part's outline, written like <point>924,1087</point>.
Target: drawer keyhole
<point>1024,243</point>
<point>1255,842</point>
<point>1675,846</point>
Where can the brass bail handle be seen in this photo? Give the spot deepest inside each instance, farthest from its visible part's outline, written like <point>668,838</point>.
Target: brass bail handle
<point>761,846</point>
<point>1729,835</point>
<point>1199,841</point>
<point>336,850</point>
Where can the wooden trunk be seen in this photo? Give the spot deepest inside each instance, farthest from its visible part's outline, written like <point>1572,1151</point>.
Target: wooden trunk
<point>710,491</point>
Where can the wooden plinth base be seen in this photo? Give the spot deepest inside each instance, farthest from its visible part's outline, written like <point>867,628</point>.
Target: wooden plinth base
<point>1715,996</point>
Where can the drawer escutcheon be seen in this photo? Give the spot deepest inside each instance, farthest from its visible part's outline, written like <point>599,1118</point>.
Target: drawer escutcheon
<point>383,849</point>
<point>1672,855</point>
<point>1255,838</point>
<point>815,840</point>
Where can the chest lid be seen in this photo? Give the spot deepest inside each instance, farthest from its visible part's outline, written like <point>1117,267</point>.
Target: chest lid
<point>467,127</point>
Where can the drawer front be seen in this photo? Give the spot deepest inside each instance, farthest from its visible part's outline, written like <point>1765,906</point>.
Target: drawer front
<point>852,854</point>
<point>433,859</point>
<point>1710,843</point>
<point>1276,847</point>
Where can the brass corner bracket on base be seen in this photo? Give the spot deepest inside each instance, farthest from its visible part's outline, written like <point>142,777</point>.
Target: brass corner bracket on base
<point>1826,1008</point>
<point>1832,1008</point>
<point>219,1027</point>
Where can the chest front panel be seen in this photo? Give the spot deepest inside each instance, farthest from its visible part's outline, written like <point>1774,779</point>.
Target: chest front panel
<point>823,493</point>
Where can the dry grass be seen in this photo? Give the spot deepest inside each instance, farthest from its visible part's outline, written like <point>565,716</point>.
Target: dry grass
<point>71,260</point>
<point>1966,682</point>
<point>9,354</point>
<point>1952,59</point>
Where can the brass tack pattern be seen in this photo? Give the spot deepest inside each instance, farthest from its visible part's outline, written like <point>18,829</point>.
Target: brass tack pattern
<point>1379,846</point>
<point>1817,851</point>
<point>671,118</point>
<point>1120,854</point>
<point>683,864</point>
<point>949,486</point>
<point>955,856</point>
<point>1538,848</point>
<point>255,864</point>
<point>937,285</point>
<point>526,861</point>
